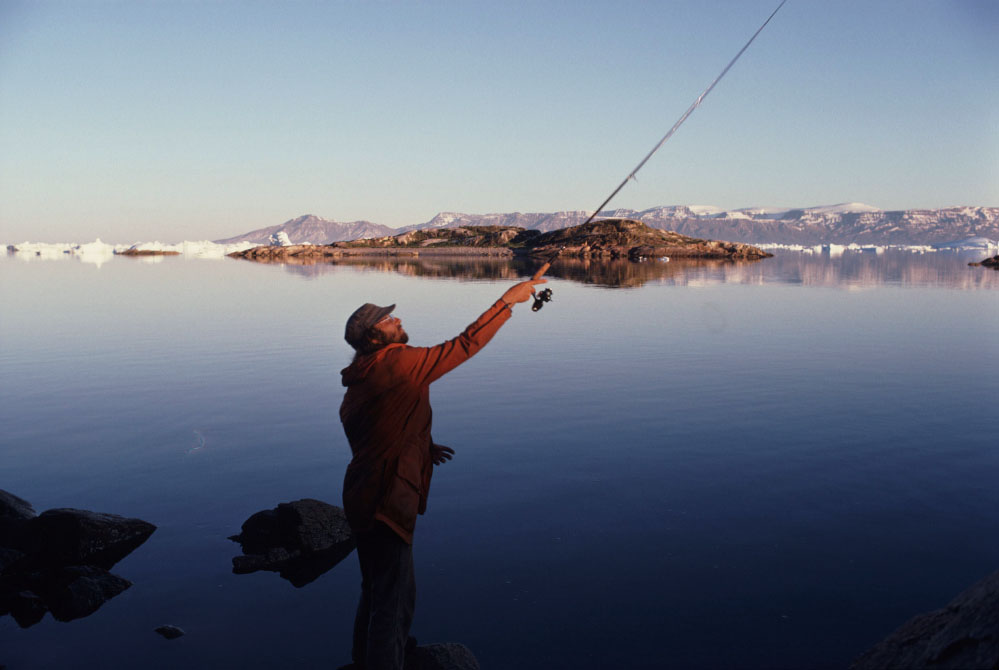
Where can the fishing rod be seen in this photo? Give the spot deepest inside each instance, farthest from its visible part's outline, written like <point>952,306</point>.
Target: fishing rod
<point>690,110</point>
<point>546,295</point>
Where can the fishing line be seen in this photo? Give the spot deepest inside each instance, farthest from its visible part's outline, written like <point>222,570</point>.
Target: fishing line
<point>545,296</point>
<point>690,110</point>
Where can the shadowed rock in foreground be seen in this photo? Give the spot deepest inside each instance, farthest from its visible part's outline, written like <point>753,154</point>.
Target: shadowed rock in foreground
<point>442,656</point>
<point>58,561</point>
<point>438,656</point>
<point>300,540</point>
<point>962,636</point>
<point>608,239</point>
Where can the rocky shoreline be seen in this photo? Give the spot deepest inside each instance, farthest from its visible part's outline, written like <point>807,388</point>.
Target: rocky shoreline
<point>609,239</point>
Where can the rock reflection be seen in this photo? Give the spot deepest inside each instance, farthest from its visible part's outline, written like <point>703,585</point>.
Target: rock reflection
<point>850,270</point>
<point>609,274</point>
<point>299,540</point>
<point>59,561</point>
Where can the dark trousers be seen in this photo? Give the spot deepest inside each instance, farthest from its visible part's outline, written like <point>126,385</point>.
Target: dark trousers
<point>388,598</point>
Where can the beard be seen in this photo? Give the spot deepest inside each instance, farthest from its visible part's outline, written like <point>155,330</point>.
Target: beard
<point>401,337</point>
<point>377,340</point>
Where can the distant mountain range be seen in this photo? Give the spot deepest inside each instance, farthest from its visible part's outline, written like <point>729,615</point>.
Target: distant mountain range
<point>836,224</point>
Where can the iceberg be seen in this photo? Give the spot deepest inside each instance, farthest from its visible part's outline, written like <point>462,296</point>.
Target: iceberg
<point>193,249</point>
<point>98,252</point>
<point>969,244</point>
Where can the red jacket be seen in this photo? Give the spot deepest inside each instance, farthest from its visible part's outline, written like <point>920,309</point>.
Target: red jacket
<point>386,416</point>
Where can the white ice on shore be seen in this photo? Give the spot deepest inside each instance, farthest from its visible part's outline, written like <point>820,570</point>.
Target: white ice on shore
<point>280,239</point>
<point>195,249</point>
<point>972,244</point>
<point>98,252</point>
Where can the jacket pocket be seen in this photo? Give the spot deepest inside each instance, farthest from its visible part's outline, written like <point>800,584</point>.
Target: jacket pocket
<point>402,503</point>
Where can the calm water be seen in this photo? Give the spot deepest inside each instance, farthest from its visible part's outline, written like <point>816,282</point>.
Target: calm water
<point>695,466</point>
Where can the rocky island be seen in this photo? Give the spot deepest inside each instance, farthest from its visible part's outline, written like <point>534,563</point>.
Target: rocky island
<point>608,239</point>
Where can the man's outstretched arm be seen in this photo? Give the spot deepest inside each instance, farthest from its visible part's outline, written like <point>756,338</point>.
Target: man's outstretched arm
<point>427,364</point>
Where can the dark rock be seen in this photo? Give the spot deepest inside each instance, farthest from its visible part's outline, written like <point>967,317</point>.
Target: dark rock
<point>9,559</point>
<point>77,591</point>
<point>14,512</point>
<point>61,537</point>
<point>442,656</point>
<point>300,540</point>
<point>170,632</point>
<point>27,608</point>
<point>12,507</point>
<point>305,525</point>
<point>964,634</point>
<point>58,561</point>
<point>70,592</point>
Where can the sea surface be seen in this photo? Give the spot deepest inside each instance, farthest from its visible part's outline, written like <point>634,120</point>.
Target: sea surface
<point>690,465</point>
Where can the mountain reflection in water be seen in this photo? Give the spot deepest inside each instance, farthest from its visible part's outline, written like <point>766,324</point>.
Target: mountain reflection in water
<point>851,270</point>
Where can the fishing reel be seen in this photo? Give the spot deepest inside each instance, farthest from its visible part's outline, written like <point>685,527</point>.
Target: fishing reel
<point>540,298</point>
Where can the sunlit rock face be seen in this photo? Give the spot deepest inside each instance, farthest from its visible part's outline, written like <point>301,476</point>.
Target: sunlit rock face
<point>627,238</point>
<point>608,239</point>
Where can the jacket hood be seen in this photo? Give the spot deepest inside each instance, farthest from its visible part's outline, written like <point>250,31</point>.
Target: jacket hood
<point>358,371</point>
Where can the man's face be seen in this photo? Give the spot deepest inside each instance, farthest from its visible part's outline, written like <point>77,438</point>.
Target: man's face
<point>390,331</point>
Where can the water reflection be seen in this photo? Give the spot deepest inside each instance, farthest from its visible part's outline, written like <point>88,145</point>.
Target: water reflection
<point>609,274</point>
<point>299,540</point>
<point>59,561</point>
<point>850,270</point>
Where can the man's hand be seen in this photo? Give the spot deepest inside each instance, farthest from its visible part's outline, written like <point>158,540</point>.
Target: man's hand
<point>439,453</point>
<point>521,292</point>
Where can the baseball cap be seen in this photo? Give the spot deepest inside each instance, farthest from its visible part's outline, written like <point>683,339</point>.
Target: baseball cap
<point>361,320</point>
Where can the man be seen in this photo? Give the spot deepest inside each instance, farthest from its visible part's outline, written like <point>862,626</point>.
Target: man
<point>386,416</point>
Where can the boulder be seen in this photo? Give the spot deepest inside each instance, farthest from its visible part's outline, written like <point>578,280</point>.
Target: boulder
<point>170,632</point>
<point>26,606</point>
<point>300,540</point>
<point>77,591</point>
<point>306,525</point>
<point>59,537</point>
<point>14,512</point>
<point>8,558</point>
<point>964,634</point>
<point>12,507</point>
<point>58,561</point>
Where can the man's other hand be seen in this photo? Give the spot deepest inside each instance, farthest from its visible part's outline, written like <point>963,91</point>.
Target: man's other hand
<point>439,453</point>
<point>521,292</point>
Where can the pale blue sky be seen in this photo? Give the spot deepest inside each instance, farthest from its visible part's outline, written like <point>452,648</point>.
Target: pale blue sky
<point>198,120</point>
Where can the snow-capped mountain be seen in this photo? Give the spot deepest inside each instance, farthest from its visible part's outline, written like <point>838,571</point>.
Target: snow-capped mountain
<point>844,223</point>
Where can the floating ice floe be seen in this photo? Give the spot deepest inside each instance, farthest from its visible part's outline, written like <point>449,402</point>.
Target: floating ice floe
<point>194,249</point>
<point>98,252</point>
<point>970,244</point>
<point>95,252</point>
